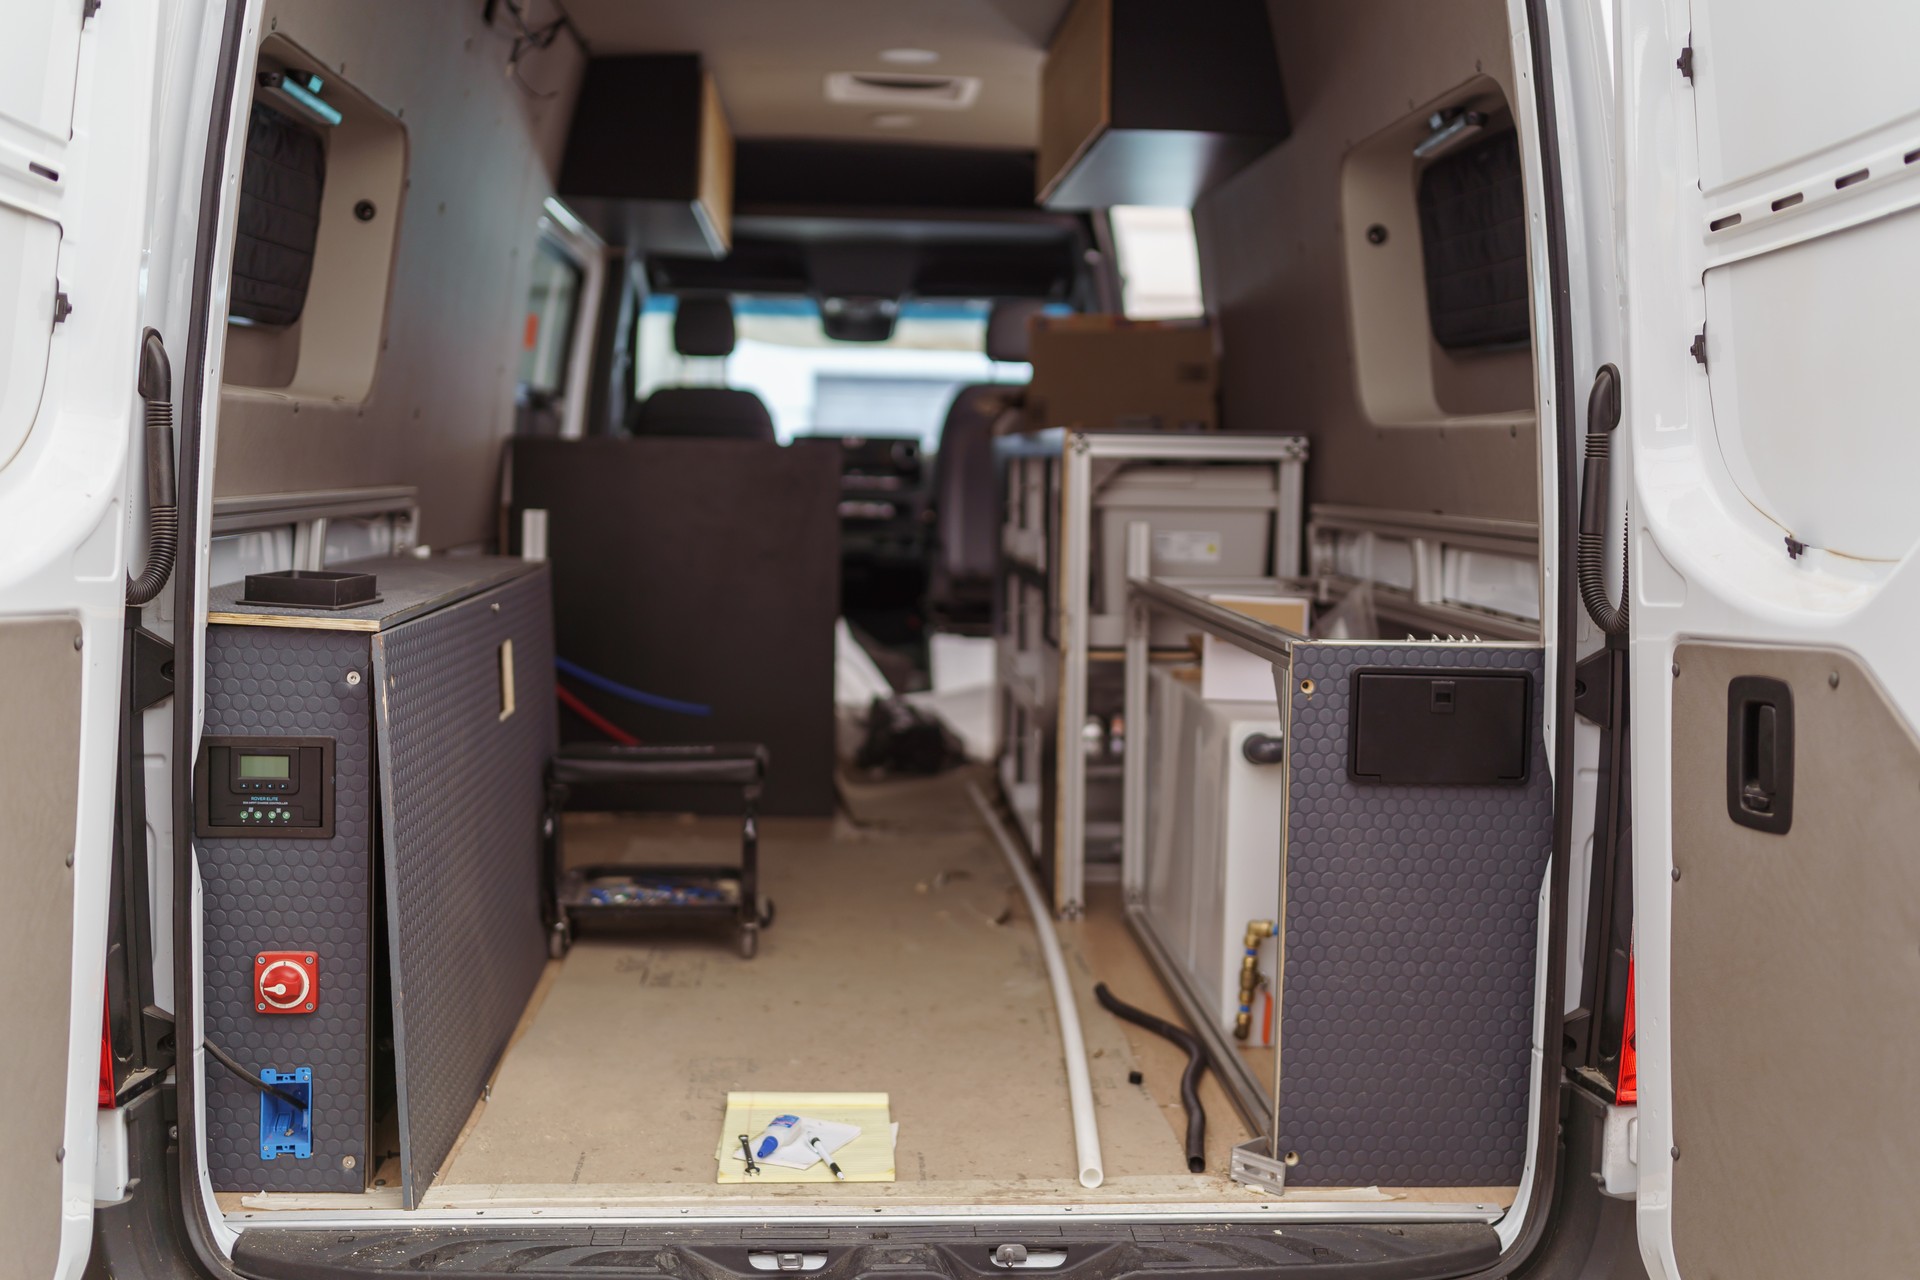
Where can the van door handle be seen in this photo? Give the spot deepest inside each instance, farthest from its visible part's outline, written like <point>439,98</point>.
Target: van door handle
<point>1760,753</point>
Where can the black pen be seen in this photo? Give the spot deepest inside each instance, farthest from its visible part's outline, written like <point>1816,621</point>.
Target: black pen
<point>822,1153</point>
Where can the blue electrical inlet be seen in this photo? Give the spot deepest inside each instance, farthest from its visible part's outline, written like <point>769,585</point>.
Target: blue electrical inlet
<point>287,1130</point>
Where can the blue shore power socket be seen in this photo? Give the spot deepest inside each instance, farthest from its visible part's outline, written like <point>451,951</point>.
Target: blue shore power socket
<point>287,1130</point>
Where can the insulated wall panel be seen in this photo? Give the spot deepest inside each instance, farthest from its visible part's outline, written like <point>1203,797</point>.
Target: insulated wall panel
<point>1407,981</point>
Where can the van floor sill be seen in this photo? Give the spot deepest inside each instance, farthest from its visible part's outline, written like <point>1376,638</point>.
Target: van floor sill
<point>956,1252</point>
<point>1119,1201</point>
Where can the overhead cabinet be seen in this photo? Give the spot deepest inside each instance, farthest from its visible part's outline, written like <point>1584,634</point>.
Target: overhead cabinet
<point>649,163</point>
<point>1142,104</point>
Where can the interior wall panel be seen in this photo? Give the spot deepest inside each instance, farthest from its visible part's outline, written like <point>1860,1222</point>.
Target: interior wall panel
<point>482,153</point>
<point>1795,978</point>
<point>1272,259</point>
<point>40,670</point>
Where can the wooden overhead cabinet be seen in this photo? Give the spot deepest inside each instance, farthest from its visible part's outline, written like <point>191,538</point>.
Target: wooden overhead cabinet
<point>1144,102</point>
<point>649,160</point>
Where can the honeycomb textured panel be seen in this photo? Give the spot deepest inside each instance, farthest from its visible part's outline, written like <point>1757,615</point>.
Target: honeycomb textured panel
<point>462,796</point>
<point>266,894</point>
<point>1406,1013</point>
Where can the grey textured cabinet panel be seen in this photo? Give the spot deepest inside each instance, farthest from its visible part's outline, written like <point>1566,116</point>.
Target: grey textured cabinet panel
<point>438,701</point>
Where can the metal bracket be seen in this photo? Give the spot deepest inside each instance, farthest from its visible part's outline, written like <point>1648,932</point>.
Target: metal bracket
<point>152,669</point>
<point>1251,1166</point>
<point>1593,687</point>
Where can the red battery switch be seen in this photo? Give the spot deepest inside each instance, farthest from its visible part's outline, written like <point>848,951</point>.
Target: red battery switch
<point>286,982</point>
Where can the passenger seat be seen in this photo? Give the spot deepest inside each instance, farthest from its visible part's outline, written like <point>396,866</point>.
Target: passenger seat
<point>703,326</point>
<point>965,486</point>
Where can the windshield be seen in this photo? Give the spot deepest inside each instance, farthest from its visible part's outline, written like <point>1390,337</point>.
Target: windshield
<point>813,385</point>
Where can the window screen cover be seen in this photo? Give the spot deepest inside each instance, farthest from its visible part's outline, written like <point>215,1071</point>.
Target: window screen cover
<point>279,218</point>
<point>1473,230</point>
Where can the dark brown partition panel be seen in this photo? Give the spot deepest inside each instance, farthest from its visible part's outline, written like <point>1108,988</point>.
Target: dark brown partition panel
<point>706,571</point>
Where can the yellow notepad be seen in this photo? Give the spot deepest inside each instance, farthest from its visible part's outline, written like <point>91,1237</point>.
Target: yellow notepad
<point>868,1158</point>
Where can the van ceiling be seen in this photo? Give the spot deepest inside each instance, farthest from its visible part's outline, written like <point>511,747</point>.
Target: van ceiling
<point>771,60</point>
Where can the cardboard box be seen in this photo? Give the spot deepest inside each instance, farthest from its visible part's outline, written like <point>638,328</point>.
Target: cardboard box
<point>1228,672</point>
<point>1104,373</point>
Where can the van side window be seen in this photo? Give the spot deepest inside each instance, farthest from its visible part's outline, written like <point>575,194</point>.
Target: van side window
<point>279,219</point>
<point>1473,229</point>
<point>553,304</point>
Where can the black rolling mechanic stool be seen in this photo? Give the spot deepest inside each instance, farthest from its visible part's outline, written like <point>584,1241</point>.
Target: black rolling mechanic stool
<point>625,899</point>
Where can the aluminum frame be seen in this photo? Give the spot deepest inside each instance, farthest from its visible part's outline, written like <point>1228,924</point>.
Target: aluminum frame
<point>1078,452</point>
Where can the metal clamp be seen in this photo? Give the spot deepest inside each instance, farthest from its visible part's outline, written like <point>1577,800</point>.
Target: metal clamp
<point>1251,1166</point>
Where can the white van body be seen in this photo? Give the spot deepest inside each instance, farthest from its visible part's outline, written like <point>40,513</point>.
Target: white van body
<point>1737,232</point>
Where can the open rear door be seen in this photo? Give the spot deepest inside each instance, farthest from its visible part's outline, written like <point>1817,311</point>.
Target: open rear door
<point>74,146</point>
<point>1770,168</point>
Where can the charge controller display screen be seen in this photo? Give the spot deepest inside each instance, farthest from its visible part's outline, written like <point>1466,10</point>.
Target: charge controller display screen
<point>274,767</point>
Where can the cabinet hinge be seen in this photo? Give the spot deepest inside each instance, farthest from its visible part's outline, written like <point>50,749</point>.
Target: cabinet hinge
<point>62,308</point>
<point>1685,60</point>
<point>1699,348</point>
<point>87,9</point>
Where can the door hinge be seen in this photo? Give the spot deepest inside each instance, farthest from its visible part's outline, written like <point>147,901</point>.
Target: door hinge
<point>1699,348</point>
<point>1685,60</point>
<point>87,9</point>
<point>1795,548</point>
<point>62,307</point>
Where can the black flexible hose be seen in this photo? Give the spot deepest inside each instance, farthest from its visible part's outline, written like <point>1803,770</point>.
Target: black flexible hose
<point>1189,1080</point>
<point>163,512</point>
<point>1590,562</point>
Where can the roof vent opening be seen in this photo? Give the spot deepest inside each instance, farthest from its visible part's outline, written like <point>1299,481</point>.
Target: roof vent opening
<point>901,89</point>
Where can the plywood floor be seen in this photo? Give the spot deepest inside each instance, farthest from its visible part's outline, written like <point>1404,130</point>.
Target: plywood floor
<point>901,961</point>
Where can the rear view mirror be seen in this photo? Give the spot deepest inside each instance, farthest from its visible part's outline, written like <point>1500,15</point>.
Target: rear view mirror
<point>859,319</point>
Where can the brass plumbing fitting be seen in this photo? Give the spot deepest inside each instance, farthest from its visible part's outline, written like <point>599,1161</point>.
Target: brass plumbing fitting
<point>1250,974</point>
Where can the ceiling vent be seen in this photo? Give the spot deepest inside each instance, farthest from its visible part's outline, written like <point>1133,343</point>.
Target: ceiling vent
<point>899,89</point>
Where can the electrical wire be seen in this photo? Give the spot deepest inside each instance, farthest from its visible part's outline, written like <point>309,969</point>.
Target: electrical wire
<point>227,1060</point>
<point>572,702</point>
<point>528,38</point>
<point>640,696</point>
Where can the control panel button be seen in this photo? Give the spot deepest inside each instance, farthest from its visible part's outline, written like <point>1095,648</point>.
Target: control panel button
<point>286,982</point>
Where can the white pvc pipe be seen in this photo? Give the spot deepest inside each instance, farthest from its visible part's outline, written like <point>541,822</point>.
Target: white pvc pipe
<point>1073,1046</point>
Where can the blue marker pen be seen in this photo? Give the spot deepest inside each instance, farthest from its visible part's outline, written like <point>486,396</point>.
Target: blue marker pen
<point>776,1135</point>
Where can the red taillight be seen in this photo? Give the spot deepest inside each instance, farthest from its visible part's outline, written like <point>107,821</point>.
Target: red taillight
<point>1628,1089</point>
<point>106,1058</point>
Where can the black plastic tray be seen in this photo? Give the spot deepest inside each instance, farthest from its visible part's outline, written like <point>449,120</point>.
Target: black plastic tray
<point>311,589</point>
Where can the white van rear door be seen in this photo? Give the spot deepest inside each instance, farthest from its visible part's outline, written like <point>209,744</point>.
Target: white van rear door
<point>75,100</point>
<point>1770,188</point>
